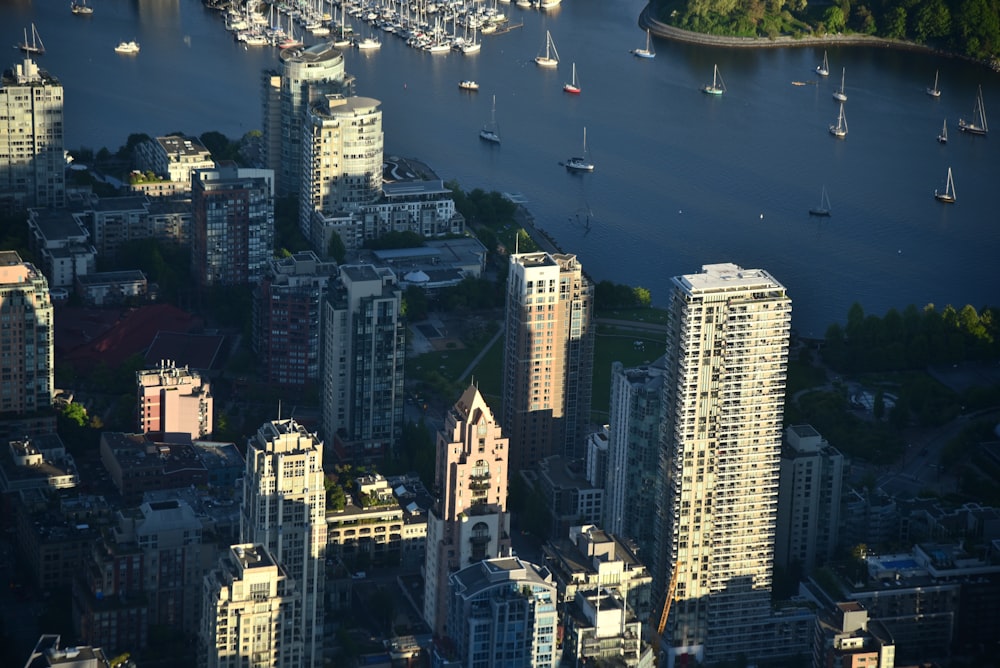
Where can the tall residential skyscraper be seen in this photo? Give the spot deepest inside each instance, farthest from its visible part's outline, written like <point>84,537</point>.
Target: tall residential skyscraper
<point>174,400</point>
<point>26,338</point>
<point>341,156</point>
<point>812,478</point>
<point>469,521</point>
<point>548,357</point>
<point>305,74</point>
<point>286,317</point>
<point>248,612</point>
<point>284,509</point>
<point>632,485</point>
<point>364,348</point>
<point>232,225</point>
<point>723,396</point>
<point>32,165</point>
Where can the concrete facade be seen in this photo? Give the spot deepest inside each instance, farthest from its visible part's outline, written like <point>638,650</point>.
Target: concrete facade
<point>724,390</point>
<point>548,357</point>
<point>32,166</point>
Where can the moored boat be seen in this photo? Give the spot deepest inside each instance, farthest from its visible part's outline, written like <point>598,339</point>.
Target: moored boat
<point>977,126</point>
<point>573,86</point>
<point>648,52</point>
<point>581,163</point>
<point>127,47</point>
<point>551,57</point>
<point>717,87</point>
<point>81,8</point>
<point>948,196</point>
<point>35,46</point>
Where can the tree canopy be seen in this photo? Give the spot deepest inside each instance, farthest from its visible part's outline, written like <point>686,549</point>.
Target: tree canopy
<point>967,27</point>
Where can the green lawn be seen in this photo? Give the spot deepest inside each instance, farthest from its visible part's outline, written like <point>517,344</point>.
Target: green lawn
<point>657,315</point>
<point>614,344</point>
<point>439,372</point>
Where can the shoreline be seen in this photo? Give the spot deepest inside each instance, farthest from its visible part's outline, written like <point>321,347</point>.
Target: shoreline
<point>665,31</point>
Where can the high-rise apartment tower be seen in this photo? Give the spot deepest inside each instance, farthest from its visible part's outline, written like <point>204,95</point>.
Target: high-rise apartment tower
<point>32,164</point>
<point>26,338</point>
<point>548,357</point>
<point>723,396</point>
<point>469,522</point>
<point>364,348</point>
<point>284,509</point>
<point>305,74</point>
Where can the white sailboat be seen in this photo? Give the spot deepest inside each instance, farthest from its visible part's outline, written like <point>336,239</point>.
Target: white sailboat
<point>824,69</point>
<point>469,48</point>
<point>35,46</point>
<point>573,86</point>
<point>581,163</point>
<point>943,136</point>
<point>977,126</point>
<point>934,91</point>
<point>717,87</point>
<point>648,52</point>
<point>948,196</point>
<point>551,57</point>
<point>824,205</point>
<point>839,95</point>
<point>840,129</point>
<point>491,131</point>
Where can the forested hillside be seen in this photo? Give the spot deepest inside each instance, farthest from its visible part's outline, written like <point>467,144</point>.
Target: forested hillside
<point>967,27</point>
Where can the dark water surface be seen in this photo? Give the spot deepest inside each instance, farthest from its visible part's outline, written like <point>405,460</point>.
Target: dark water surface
<point>682,179</point>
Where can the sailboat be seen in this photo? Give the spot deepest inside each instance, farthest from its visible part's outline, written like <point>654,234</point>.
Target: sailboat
<point>581,163</point>
<point>840,129</point>
<point>948,196</point>
<point>824,205</point>
<point>551,57</point>
<point>469,48</point>
<point>717,87</point>
<point>943,137</point>
<point>977,126</point>
<point>573,86</point>
<point>35,45</point>
<point>824,69</point>
<point>934,91</point>
<point>490,131</point>
<point>839,95</point>
<point>648,51</point>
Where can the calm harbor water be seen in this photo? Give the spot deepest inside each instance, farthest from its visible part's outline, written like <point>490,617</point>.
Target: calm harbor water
<point>682,178</point>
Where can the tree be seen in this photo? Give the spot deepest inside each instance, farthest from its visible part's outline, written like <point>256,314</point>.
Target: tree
<point>895,23</point>
<point>415,303</point>
<point>833,17</point>
<point>643,297</point>
<point>336,249</point>
<point>75,413</point>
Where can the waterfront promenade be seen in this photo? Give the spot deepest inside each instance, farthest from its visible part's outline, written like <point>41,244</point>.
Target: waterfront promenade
<point>660,29</point>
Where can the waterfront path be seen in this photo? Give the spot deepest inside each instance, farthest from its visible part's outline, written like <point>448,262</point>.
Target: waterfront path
<point>660,29</point>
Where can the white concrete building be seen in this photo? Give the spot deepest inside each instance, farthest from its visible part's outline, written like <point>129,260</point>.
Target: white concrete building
<point>174,158</point>
<point>32,164</point>
<point>723,396</point>
<point>248,615</point>
<point>304,75</point>
<point>342,144</point>
<point>284,509</point>
<point>26,338</point>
